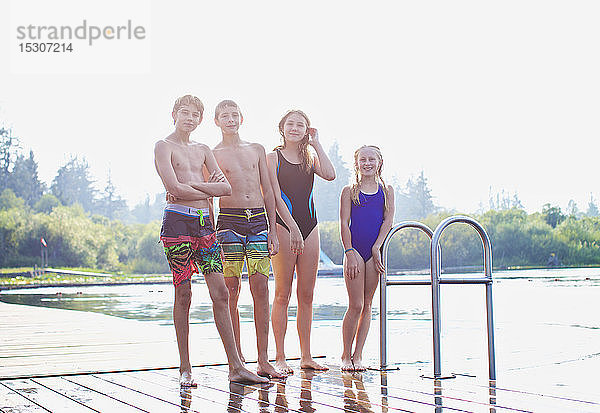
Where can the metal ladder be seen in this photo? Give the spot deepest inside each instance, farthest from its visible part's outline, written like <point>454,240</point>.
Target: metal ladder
<point>435,282</point>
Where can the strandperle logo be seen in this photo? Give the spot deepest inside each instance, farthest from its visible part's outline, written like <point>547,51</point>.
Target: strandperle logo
<point>85,31</point>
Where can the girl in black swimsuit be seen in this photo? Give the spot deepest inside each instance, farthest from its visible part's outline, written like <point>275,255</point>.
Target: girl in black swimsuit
<point>292,169</point>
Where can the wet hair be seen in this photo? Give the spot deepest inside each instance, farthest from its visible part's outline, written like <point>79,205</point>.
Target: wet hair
<point>188,100</point>
<point>354,189</point>
<point>306,160</point>
<point>225,103</point>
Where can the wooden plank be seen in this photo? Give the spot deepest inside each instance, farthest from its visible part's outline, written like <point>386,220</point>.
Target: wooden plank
<point>219,394</point>
<point>172,396</point>
<point>13,402</point>
<point>236,396</point>
<point>86,396</point>
<point>47,341</point>
<point>336,388</point>
<point>42,396</point>
<point>300,398</point>
<point>117,392</point>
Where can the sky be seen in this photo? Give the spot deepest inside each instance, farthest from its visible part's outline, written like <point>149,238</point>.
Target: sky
<point>478,95</point>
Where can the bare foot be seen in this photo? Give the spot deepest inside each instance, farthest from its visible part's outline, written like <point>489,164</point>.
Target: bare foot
<point>283,367</point>
<point>347,364</point>
<point>312,365</point>
<point>267,370</point>
<point>186,379</point>
<point>358,366</point>
<point>243,375</point>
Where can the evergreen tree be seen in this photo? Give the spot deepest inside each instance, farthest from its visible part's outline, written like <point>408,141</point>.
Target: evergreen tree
<point>415,200</point>
<point>572,209</point>
<point>419,193</point>
<point>111,205</point>
<point>516,202</point>
<point>327,194</point>
<point>502,201</point>
<point>24,181</point>
<point>8,147</point>
<point>592,210</point>
<point>73,184</point>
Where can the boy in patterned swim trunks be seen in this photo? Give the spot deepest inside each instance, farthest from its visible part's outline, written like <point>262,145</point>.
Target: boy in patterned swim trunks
<point>242,228</point>
<point>188,235</point>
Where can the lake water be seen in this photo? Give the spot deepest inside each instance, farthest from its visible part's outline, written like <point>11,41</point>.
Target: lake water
<point>547,323</point>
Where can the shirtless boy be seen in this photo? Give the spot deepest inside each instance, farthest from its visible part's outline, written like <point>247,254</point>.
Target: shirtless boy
<point>188,235</point>
<point>242,228</point>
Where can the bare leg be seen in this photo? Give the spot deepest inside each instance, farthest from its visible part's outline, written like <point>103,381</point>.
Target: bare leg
<point>260,295</point>
<point>371,281</point>
<point>220,298</point>
<point>306,269</point>
<point>233,287</point>
<point>283,269</point>
<point>356,293</point>
<point>181,313</point>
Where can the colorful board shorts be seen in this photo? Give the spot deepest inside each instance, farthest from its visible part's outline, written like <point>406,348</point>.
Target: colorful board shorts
<point>190,242</point>
<point>243,233</point>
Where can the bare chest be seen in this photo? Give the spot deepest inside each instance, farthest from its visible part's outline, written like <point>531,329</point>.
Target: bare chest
<point>188,161</point>
<point>239,163</point>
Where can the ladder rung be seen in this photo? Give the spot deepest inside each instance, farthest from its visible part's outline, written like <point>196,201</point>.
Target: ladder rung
<point>442,281</point>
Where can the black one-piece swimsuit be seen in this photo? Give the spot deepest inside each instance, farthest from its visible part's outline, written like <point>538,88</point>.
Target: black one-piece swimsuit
<point>297,192</point>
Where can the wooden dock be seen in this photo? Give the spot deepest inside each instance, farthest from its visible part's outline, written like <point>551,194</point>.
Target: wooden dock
<point>71,361</point>
<point>305,391</point>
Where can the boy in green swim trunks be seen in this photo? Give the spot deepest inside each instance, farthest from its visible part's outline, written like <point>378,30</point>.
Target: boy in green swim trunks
<point>188,235</point>
<point>246,225</point>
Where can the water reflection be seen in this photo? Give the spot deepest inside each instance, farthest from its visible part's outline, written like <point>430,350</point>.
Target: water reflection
<point>437,391</point>
<point>281,403</point>
<point>186,399</point>
<point>238,391</point>
<point>356,398</point>
<point>492,393</point>
<point>384,391</point>
<point>306,401</point>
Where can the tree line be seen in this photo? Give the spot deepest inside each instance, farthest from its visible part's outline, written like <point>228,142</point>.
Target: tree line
<point>76,238</point>
<point>87,227</point>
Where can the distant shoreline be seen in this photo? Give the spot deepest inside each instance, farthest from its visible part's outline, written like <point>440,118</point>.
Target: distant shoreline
<point>166,278</point>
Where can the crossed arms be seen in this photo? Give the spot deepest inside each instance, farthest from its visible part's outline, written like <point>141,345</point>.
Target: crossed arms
<point>215,184</point>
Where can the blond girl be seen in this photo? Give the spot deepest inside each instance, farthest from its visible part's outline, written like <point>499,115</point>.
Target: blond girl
<point>366,217</point>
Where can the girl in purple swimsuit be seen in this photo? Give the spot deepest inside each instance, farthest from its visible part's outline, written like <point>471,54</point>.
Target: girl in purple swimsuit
<point>366,217</point>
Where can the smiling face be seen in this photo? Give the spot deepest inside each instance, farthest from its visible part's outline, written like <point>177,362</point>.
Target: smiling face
<point>368,162</point>
<point>229,119</point>
<point>187,117</point>
<point>295,127</point>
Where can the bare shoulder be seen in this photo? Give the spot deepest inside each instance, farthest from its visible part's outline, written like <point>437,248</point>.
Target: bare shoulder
<point>162,146</point>
<point>272,156</point>
<point>345,191</point>
<point>200,146</point>
<point>258,147</point>
<point>390,189</point>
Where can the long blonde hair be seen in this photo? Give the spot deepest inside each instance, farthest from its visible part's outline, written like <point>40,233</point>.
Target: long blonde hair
<point>354,189</point>
<point>306,160</point>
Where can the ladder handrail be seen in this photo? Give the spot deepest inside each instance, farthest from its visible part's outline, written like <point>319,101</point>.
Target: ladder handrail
<point>436,270</point>
<point>383,283</point>
<point>436,281</point>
